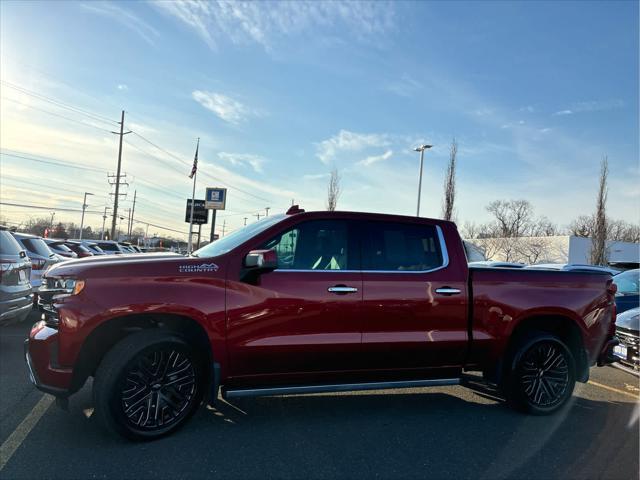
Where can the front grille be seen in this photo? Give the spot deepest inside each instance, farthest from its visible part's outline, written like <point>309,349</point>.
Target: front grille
<point>628,338</point>
<point>46,303</point>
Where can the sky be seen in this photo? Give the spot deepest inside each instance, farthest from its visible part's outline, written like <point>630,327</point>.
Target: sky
<point>281,93</point>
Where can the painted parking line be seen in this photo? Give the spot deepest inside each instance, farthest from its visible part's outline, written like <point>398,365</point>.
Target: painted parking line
<point>611,389</point>
<point>11,444</point>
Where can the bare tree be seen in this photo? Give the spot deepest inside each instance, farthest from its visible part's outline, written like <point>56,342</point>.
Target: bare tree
<point>513,217</point>
<point>450,183</point>
<point>334,190</point>
<point>599,238</point>
<point>582,226</point>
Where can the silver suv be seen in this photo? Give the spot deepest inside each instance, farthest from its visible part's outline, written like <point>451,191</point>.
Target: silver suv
<point>16,297</point>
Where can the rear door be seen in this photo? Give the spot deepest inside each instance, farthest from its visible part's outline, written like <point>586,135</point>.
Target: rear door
<point>304,317</point>
<point>414,299</point>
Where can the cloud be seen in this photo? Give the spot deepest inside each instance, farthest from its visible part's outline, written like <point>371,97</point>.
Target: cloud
<point>125,18</point>
<point>591,106</point>
<point>406,86</point>
<point>228,109</point>
<point>245,22</point>
<point>123,87</point>
<point>315,176</point>
<point>243,159</point>
<point>375,158</point>
<point>346,141</point>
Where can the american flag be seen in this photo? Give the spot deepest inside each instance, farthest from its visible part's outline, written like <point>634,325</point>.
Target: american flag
<point>194,169</point>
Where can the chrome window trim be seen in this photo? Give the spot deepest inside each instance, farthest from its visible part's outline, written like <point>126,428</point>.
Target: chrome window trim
<point>443,250</point>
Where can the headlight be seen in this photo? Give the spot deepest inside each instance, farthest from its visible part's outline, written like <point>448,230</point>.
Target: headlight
<point>65,286</point>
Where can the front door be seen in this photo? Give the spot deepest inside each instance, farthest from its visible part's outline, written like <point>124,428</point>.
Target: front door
<point>303,317</point>
<point>414,301</point>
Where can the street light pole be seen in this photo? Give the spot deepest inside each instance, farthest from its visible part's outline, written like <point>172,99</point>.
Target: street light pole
<point>84,207</point>
<point>420,149</point>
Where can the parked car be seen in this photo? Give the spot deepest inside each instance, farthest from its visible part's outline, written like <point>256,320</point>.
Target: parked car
<point>573,267</point>
<point>16,297</point>
<point>79,248</point>
<point>110,247</point>
<point>41,256</point>
<point>495,264</point>
<point>59,248</point>
<point>312,302</point>
<point>127,247</point>
<point>91,245</point>
<point>628,332</point>
<point>628,294</point>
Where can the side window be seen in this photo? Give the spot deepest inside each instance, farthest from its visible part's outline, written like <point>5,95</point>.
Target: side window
<point>401,247</point>
<point>313,245</point>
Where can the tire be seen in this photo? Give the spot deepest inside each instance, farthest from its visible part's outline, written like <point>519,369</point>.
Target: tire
<point>148,385</point>
<point>542,375</point>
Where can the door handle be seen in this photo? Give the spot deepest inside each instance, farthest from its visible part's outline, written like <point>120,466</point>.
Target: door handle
<point>448,291</point>
<point>342,289</point>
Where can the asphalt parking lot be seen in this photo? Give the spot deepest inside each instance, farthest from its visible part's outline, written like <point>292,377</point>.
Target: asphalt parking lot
<point>451,432</point>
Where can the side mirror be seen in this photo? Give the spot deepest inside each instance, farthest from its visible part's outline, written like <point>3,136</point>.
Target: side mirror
<point>261,259</point>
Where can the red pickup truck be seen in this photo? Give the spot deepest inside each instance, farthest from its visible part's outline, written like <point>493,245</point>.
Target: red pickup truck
<point>312,302</point>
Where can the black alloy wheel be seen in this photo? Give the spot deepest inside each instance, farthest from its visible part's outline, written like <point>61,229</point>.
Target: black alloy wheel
<point>158,389</point>
<point>542,375</point>
<point>148,385</point>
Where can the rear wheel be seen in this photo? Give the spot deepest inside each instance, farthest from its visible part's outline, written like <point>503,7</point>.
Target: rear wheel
<point>542,375</point>
<point>148,385</point>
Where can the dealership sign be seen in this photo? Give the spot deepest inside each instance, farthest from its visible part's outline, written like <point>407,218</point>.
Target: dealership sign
<point>216,198</point>
<point>200,213</point>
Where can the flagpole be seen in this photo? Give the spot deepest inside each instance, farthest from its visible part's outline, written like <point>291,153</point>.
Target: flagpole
<point>193,201</point>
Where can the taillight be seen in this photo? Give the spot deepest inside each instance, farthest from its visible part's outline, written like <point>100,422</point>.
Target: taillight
<point>5,267</point>
<point>38,263</point>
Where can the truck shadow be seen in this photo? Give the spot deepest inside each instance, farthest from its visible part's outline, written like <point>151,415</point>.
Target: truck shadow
<point>446,432</point>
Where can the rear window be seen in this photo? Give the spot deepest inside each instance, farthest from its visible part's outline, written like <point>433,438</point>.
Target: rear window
<point>109,247</point>
<point>401,247</point>
<point>61,247</point>
<point>8,244</point>
<point>37,246</point>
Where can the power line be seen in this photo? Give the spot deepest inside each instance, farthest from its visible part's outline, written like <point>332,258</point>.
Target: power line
<point>202,172</point>
<point>42,207</point>
<point>53,161</point>
<point>59,103</point>
<point>57,115</point>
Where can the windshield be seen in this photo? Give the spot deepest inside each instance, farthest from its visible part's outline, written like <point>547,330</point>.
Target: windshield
<point>628,283</point>
<point>231,241</point>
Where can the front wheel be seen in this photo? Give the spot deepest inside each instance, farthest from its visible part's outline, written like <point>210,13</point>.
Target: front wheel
<point>148,385</point>
<point>542,375</point>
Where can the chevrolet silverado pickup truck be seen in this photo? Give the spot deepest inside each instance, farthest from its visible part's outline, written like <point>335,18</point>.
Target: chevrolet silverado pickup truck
<point>308,302</point>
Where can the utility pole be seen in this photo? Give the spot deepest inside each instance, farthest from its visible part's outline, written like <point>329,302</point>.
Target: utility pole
<point>104,219</point>
<point>257,215</point>
<point>224,226</point>
<point>245,221</point>
<point>133,212</point>
<point>84,207</point>
<point>117,183</point>
<point>267,211</point>
<point>129,225</point>
<point>420,149</point>
<point>199,233</point>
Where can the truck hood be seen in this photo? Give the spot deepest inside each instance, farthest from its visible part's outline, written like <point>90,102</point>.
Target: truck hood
<point>134,265</point>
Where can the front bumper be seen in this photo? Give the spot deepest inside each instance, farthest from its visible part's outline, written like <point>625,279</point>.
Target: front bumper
<point>41,357</point>
<point>629,352</point>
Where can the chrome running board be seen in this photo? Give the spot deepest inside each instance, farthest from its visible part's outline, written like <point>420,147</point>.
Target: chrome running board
<point>340,387</point>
